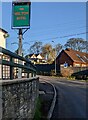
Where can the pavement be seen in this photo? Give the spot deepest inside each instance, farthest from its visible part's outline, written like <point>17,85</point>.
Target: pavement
<point>46,96</point>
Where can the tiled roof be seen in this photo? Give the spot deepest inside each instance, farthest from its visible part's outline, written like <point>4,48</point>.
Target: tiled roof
<point>34,54</point>
<point>30,55</point>
<point>77,56</point>
<point>3,30</point>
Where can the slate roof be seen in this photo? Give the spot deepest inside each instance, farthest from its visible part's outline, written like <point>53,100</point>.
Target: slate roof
<point>77,56</point>
<point>3,30</point>
<point>33,54</point>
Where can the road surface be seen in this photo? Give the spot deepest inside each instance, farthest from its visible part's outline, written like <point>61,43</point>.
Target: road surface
<point>71,100</point>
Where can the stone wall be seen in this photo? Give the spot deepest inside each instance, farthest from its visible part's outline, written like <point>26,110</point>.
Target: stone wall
<point>19,98</point>
<point>66,72</point>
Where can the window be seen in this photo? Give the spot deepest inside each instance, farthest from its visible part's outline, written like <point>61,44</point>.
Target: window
<point>77,65</point>
<point>85,57</point>
<point>6,57</point>
<point>6,72</point>
<point>0,57</point>
<point>80,57</point>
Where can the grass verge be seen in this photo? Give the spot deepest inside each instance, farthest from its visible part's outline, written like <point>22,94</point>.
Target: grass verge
<point>37,115</point>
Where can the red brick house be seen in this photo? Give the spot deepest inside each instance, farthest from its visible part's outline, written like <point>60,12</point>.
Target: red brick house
<point>72,58</point>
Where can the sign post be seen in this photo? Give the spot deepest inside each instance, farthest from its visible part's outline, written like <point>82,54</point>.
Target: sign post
<point>20,52</point>
<point>20,21</point>
<point>21,15</point>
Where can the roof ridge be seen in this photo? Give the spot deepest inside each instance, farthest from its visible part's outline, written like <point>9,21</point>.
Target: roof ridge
<point>77,55</point>
<point>75,50</point>
<point>3,30</point>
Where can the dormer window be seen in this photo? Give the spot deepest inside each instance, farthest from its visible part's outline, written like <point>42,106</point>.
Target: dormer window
<point>80,57</point>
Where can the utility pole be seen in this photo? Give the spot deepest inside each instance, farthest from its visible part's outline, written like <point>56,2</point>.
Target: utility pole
<point>20,42</point>
<point>55,61</point>
<point>20,52</point>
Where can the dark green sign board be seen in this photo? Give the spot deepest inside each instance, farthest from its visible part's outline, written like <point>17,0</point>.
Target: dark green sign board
<point>21,15</point>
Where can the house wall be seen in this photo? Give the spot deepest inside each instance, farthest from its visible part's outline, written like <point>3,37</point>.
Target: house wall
<point>39,56</point>
<point>64,58</point>
<point>33,56</point>
<point>66,72</point>
<point>77,64</point>
<point>2,44</point>
<point>2,40</point>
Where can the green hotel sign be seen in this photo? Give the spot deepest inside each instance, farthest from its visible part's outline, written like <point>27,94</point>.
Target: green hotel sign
<point>21,15</point>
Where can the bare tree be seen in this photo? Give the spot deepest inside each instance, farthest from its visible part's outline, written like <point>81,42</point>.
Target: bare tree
<point>58,48</point>
<point>36,47</point>
<point>78,44</point>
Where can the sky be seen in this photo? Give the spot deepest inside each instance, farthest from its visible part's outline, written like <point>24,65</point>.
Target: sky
<point>50,21</point>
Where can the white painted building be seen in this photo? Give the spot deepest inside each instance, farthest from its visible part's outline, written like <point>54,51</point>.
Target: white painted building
<point>3,36</point>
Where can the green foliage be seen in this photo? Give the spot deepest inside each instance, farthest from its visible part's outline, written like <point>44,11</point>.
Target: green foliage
<point>71,78</point>
<point>37,115</point>
<point>52,72</point>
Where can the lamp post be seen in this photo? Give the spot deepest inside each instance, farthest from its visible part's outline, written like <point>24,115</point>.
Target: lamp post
<point>55,61</point>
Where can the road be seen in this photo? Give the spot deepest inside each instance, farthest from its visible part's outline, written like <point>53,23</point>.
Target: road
<point>71,100</point>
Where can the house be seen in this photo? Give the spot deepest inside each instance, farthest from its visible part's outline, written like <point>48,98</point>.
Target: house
<point>3,36</point>
<point>72,58</point>
<point>36,58</point>
<point>70,61</point>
